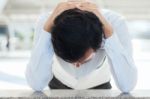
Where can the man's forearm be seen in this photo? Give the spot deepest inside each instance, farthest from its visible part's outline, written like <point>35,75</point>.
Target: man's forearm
<point>121,63</point>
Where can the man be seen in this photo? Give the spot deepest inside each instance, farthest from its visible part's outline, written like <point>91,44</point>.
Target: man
<point>71,49</point>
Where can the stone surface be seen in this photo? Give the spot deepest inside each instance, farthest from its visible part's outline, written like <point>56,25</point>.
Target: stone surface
<point>74,94</point>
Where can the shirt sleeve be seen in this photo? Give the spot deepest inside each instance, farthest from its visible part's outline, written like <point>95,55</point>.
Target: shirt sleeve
<point>39,70</point>
<point>119,51</point>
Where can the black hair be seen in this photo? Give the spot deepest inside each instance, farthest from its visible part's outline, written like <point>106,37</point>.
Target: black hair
<point>74,32</point>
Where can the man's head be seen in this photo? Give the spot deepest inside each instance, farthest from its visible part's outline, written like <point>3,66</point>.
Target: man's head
<point>76,34</point>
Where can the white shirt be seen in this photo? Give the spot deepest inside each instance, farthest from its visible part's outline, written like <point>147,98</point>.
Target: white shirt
<point>117,48</point>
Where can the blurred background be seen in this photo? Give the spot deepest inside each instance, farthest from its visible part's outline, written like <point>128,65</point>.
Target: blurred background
<point>17,21</point>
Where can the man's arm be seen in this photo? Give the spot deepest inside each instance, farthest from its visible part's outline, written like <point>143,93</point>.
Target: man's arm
<point>39,71</point>
<point>119,52</point>
<point>118,48</point>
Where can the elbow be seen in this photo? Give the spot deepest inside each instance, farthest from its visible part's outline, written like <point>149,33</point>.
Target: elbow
<point>129,84</point>
<point>126,89</point>
<point>33,84</point>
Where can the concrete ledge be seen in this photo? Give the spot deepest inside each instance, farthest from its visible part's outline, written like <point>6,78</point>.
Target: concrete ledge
<point>74,94</point>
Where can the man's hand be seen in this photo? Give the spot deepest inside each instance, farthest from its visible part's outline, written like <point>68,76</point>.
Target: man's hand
<point>90,6</point>
<point>58,10</point>
<point>86,5</point>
